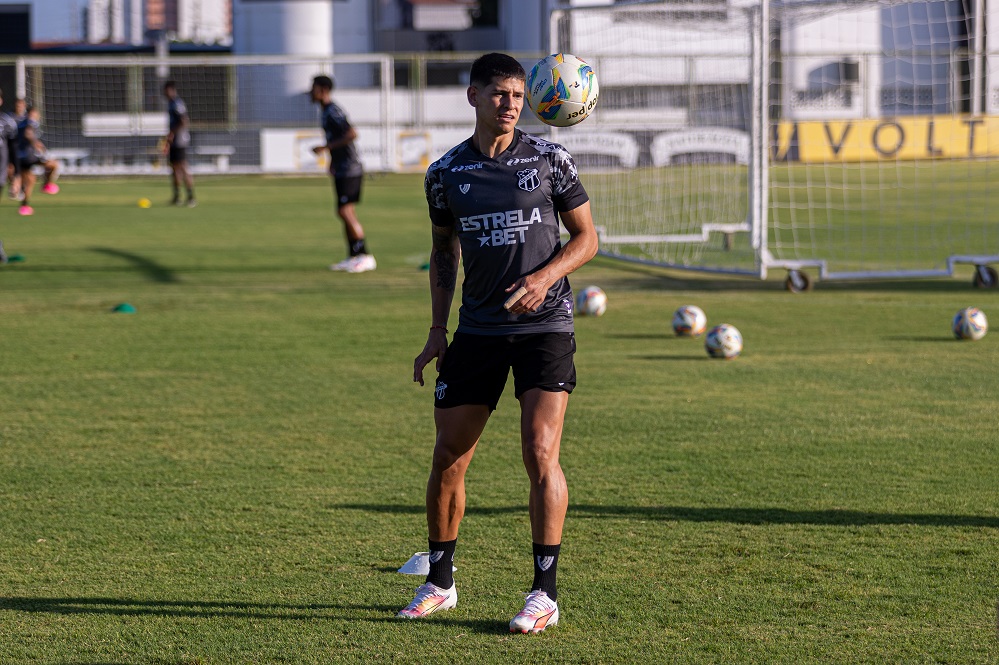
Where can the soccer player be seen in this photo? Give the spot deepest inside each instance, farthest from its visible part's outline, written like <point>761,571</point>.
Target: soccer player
<point>347,173</point>
<point>13,167</point>
<point>8,135</point>
<point>177,142</point>
<point>8,132</point>
<point>31,153</point>
<point>495,203</point>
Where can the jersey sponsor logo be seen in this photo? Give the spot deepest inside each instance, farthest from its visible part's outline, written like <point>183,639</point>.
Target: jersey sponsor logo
<point>522,160</point>
<point>501,228</point>
<point>464,188</point>
<point>466,167</point>
<point>500,220</point>
<point>528,180</point>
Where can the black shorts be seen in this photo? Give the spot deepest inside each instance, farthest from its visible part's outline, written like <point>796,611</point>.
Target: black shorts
<point>12,156</point>
<point>27,162</point>
<point>177,154</point>
<point>348,189</point>
<point>475,367</point>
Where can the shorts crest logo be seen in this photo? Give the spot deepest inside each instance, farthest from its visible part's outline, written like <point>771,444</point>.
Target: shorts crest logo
<point>439,391</point>
<point>464,188</point>
<point>528,180</point>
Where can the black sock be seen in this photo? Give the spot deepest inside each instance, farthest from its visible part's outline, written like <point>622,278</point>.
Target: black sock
<point>441,560</point>
<point>190,194</point>
<point>357,247</point>
<point>545,567</point>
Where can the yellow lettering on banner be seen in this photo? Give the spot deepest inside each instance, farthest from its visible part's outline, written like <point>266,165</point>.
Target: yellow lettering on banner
<point>904,138</point>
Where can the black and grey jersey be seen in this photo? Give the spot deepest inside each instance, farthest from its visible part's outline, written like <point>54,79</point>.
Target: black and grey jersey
<point>177,118</point>
<point>505,210</point>
<point>25,144</point>
<point>8,127</point>
<point>344,161</point>
<point>8,138</point>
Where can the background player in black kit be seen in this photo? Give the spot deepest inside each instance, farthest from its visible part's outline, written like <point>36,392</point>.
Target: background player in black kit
<point>495,202</point>
<point>177,141</point>
<point>347,173</point>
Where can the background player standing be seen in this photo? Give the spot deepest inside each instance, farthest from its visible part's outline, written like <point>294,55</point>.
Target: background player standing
<point>347,173</point>
<point>8,135</point>
<point>31,153</point>
<point>178,140</point>
<point>13,167</point>
<point>495,203</point>
<point>8,132</point>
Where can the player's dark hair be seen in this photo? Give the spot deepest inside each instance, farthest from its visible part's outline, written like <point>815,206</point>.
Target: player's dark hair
<point>169,85</point>
<point>495,65</point>
<point>323,82</point>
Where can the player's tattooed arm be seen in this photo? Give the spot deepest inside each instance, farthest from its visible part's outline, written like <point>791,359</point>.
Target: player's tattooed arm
<point>445,256</point>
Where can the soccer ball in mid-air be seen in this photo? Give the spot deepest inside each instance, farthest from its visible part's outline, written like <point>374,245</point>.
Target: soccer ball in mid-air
<point>591,301</point>
<point>689,321</point>
<point>723,341</point>
<point>970,323</point>
<point>562,90</point>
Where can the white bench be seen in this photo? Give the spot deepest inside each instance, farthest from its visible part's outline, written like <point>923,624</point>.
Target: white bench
<point>124,124</point>
<point>69,158</point>
<point>220,154</point>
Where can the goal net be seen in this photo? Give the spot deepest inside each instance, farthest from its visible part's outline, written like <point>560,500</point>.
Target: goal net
<point>666,153</point>
<point>855,138</point>
<point>107,115</point>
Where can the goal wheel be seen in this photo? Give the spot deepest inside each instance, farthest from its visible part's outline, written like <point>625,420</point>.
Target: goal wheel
<point>985,277</point>
<point>797,281</point>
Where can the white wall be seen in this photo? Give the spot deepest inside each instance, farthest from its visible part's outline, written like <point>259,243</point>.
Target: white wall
<point>291,27</point>
<point>203,21</point>
<point>106,21</point>
<point>810,43</point>
<point>992,61</point>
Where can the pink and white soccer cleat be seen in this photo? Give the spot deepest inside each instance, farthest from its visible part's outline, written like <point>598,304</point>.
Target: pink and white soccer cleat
<point>25,211</point>
<point>51,188</point>
<point>430,598</point>
<point>539,612</point>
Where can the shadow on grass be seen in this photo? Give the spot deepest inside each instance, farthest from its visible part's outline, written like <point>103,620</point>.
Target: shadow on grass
<point>192,608</point>
<point>656,336</point>
<point>657,358</point>
<point>752,516</point>
<point>209,609</point>
<point>153,270</point>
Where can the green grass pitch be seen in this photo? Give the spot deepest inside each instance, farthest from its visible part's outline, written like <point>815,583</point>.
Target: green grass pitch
<point>233,473</point>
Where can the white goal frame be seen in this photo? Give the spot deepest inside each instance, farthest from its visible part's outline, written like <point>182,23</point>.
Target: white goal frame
<point>758,224</point>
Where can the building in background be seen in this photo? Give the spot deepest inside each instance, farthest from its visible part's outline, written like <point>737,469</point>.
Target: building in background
<point>197,21</point>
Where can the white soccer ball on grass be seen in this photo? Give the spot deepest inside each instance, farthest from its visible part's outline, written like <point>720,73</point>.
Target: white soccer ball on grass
<point>689,321</point>
<point>970,323</point>
<point>591,301</point>
<point>723,341</point>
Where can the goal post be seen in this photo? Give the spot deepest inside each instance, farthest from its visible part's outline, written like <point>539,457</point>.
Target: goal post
<point>856,139</point>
